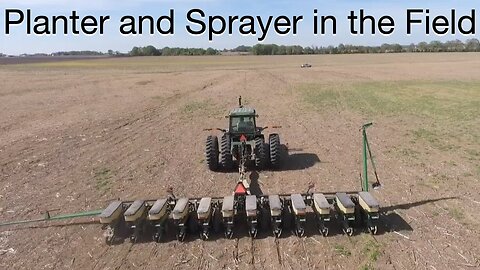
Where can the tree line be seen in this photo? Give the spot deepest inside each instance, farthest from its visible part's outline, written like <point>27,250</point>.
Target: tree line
<point>471,45</point>
<point>76,53</point>
<point>167,51</point>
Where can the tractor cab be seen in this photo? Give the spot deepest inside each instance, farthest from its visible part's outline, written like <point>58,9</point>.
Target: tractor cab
<point>242,121</point>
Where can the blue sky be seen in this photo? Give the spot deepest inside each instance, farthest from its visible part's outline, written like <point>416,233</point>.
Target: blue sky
<point>18,42</point>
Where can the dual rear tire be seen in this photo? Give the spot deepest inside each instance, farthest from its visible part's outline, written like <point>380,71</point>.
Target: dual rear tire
<point>226,159</point>
<point>211,152</point>
<point>261,154</point>
<point>268,154</point>
<point>265,153</point>
<point>274,150</point>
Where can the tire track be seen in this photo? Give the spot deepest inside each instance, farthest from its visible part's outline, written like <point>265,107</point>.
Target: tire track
<point>277,247</point>
<point>124,258</point>
<point>252,252</point>
<point>152,113</point>
<point>137,127</point>
<point>236,261</point>
<point>152,256</point>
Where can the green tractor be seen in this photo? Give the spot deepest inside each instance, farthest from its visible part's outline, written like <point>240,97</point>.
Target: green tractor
<point>242,142</point>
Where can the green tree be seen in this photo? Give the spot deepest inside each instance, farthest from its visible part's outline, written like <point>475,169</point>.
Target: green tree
<point>211,51</point>
<point>150,51</point>
<point>422,47</point>
<point>473,45</point>
<point>135,51</point>
<point>436,46</point>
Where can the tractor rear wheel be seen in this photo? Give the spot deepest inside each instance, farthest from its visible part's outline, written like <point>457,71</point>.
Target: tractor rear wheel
<point>260,153</point>
<point>226,155</point>
<point>275,150</point>
<point>211,152</point>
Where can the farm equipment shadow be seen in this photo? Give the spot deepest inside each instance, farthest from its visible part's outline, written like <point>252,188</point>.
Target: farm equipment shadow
<point>415,204</point>
<point>296,161</point>
<point>255,188</point>
<point>288,162</point>
<point>393,222</point>
<point>390,222</point>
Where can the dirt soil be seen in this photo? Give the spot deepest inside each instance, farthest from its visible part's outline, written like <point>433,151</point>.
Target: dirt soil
<point>77,134</point>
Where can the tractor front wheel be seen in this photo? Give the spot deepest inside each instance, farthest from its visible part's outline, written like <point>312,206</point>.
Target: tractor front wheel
<point>211,152</point>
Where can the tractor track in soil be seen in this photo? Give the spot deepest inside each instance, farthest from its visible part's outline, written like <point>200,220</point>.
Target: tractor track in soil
<point>252,252</point>
<point>279,255</point>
